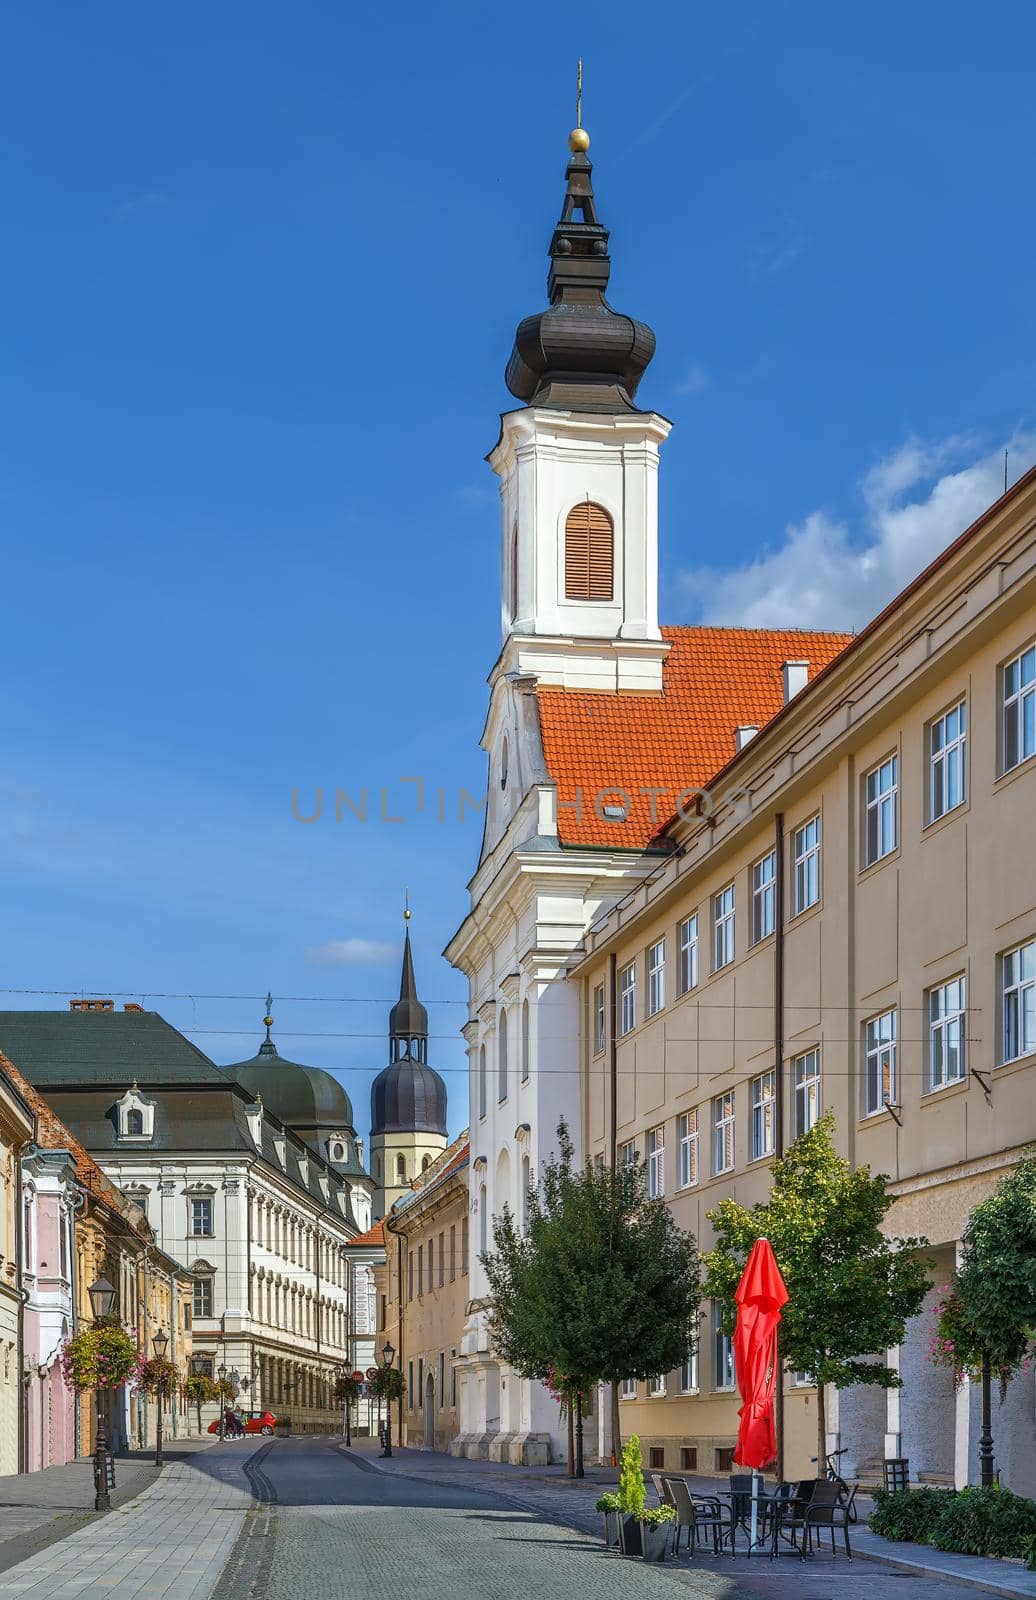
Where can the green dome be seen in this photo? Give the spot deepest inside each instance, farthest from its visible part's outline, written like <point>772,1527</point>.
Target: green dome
<point>306,1099</point>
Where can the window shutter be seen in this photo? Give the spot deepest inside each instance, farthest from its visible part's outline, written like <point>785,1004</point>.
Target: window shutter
<point>589,553</point>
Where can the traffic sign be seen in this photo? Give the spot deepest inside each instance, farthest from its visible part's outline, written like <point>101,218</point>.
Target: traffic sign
<point>372,1373</point>
<point>357,1376</point>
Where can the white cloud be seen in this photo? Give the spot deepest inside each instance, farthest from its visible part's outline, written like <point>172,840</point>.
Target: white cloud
<point>826,575</point>
<point>351,953</point>
<point>695,379</point>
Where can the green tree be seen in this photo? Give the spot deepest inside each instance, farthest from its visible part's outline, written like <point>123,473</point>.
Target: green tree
<point>602,1285</point>
<point>851,1288</point>
<point>199,1390</point>
<point>387,1384</point>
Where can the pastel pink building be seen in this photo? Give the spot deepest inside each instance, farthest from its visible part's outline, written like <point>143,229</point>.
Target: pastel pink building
<point>48,1208</point>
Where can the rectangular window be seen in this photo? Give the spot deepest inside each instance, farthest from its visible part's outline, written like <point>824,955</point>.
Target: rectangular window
<point>1018,981</point>
<point>656,1457</point>
<point>442,1268</point>
<point>689,954</point>
<point>410,1386</point>
<point>880,1063</point>
<point>722,1352</point>
<point>689,1373</point>
<point>806,854</point>
<point>453,1252</point>
<point>442,1378</point>
<point>656,1388</point>
<point>628,1390</point>
<point>946,1048</point>
<point>764,897</point>
<point>420,1383</point>
<point>453,1383</point>
<point>656,978</point>
<point>947,762</point>
<point>201,1219</point>
<point>687,1126</point>
<point>806,1073</point>
<point>723,1132</point>
<point>764,1113</point>
<point>410,1277</point>
<point>723,928</point>
<point>628,998</point>
<point>656,1163</point>
<point>464,1246</point>
<point>881,808</point>
<point>628,1154</point>
<point>420,1270</point>
<point>600,1033</point>
<point>803,1380</point>
<point>1019,708</point>
<point>203,1297</point>
<point>688,1458</point>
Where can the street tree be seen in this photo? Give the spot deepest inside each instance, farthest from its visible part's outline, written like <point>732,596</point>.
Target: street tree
<point>852,1289</point>
<point>600,1285</point>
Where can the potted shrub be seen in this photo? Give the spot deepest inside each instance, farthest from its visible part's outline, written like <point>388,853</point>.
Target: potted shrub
<point>282,1427</point>
<point>610,1505</point>
<point>631,1497</point>
<point>655,1524</point>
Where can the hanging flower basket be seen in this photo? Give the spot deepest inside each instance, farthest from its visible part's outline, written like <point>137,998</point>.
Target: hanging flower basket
<point>158,1376</point>
<point>102,1357</point>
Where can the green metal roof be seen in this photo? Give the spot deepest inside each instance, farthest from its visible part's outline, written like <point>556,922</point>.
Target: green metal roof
<point>102,1047</point>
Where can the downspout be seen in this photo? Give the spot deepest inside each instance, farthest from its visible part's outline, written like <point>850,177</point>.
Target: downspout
<point>778,1062</point>
<point>19,1223</point>
<point>613,1135</point>
<point>401,1326</point>
<point>76,1205</point>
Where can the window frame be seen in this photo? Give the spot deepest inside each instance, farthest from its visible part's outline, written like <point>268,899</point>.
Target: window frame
<point>802,1085</point>
<point>938,1027</point>
<point>951,755</point>
<point>628,1154</point>
<point>763,1107</point>
<point>805,866</point>
<point>726,1104</point>
<point>628,1389</point>
<point>656,977</point>
<point>877,1047</point>
<point>887,797</point>
<point>724,924</point>
<point>1023,698</point>
<point>687,941</point>
<point>600,1020</point>
<point>207,1213</point>
<point>655,1387</point>
<point>655,1155</point>
<point>1020,988</point>
<point>202,1287</point>
<point>689,1378</point>
<point>764,897</point>
<point>722,1354</point>
<point>627,998</point>
<point>688,1149</point>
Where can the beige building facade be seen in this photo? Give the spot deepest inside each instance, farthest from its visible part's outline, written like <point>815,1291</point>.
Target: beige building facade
<point>426,1296</point>
<point>17,1129</point>
<point>848,924</point>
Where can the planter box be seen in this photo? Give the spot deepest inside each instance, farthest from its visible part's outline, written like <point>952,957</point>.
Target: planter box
<point>611,1529</point>
<point>655,1540</point>
<point>282,1429</point>
<point>630,1530</point>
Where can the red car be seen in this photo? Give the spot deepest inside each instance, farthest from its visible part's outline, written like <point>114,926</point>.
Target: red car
<point>255,1422</point>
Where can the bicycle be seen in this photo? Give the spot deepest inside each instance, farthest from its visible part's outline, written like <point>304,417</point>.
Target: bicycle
<point>833,1476</point>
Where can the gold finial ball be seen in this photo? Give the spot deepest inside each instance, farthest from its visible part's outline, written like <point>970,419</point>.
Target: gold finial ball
<point>267,1022</point>
<point>406,914</point>
<point>579,141</point>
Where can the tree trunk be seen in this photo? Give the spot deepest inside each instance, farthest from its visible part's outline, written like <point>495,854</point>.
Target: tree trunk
<point>616,1425</point>
<point>571,1441</point>
<point>579,1436</point>
<point>821,1432</point>
<point>199,1416</point>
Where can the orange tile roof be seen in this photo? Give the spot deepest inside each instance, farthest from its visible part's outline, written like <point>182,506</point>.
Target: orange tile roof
<point>375,1235</point>
<point>713,681</point>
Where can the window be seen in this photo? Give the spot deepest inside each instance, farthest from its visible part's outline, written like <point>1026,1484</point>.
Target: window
<point>656,1163</point>
<point>806,852</point>
<point>628,998</point>
<point>723,928</point>
<point>723,1132</point>
<point>483,1220</point>
<point>134,1123</point>
<point>881,822</point>
<point>202,1300</point>
<point>442,1378</point>
<point>946,1048</point>
<point>526,1187</point>
<point>656,977</point>
<point>600,1035</point>
<point>453,1252</point>
<point>464,1246</point>
<point>589,553</point>
<point>656,1388</point>
<point>656,1455</point>
<point>629,1389</point>
<point>201,1219</point>
<point>400,1169</point>
<point>803,1380</point>
<point>1019,722</point>
<point>525,1041</point>
<point>420,1383</point>
<point>410,1386</point>
<point>764,1113</point>
<point>442,1267</point>
<point>689,1372</point>
<point>947,758</point>
<point>501,1058</point>
<point>420,1269</point>
<point>628,1155</point>
<point>722,1352</point>
<point>1018,980</point>
<point>687,1132</point>
<point>806,1075</point>
<point>724,1454</point>
<point>453,1381</point>
<point>410,1277</point>
<point>688,1458</point>
<point>880,1063</point>
<point>688,954</point>
<point>764,897</point>
<point>482,1081</point>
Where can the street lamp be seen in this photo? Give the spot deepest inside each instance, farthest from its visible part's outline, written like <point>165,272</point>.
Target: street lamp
<point>342,1374</point>
<point>161,1346</point>
<point>221,1373</point>
<point>388,1355</point>
<point>102,1298</point>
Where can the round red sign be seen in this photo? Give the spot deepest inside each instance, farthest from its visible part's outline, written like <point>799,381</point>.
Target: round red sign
<point>372,1373</point>
<point>357,1376</point>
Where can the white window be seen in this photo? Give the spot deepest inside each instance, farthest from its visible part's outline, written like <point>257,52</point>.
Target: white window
<point>881,794</point>
<point>764,1113</point>
<point>722,1352</point>
<point>803,1380</point>
<point>1019,709</point>
<point>1018,979</point>
<point>481,1081</point>
<point>807,1091</point>
<point>689,1372</point>
<point>764,888</point>
<point>880,1063</point>
<point>628,1155</point>
<point>201,1219</point>
<point>656,1388</point>
<point>525,1041</point>
<point>946,1048</point>
<point>806,851</point>
<point>723,1132</point>
<point>526,1188</point>
<point>723,928</point>
<point>628,1390</point>
<point>483,1220</point>
<point>656,1163</point>
<point>688,954</point>
<point>599,1020</point>
<point>687,1126</point>
<point>947,757</point>
<point>501,1058</point>
<point>628,998</point>
<point>656,977</point>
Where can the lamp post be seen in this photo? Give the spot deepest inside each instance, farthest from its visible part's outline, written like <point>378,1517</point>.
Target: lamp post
<point>161,1345</point>
<point>388,1355</point>
<point>221,1373</point>
<point>102,1298</point>
<point>343,1373</point>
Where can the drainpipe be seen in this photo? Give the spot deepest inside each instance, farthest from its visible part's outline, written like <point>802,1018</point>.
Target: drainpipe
<point>76,1205</point>
<point>19,1223</point>
<point>401,1326</point>
<point>778,1061</point>
<point>613,1134</point>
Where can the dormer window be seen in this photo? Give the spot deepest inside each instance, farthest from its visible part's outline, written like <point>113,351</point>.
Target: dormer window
<point>589,553</point>
<point>338,1149</point>
<point>134,1116</point>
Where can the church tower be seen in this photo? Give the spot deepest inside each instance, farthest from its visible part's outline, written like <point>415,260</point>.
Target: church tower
<point>408,1098</point>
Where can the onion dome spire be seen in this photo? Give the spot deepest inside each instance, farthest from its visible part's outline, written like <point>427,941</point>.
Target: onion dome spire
<point>268,1048</point>
<point>579,354</point>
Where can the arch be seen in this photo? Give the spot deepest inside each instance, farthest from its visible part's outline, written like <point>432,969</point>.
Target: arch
<point>525,1041</point>
<point>426,1162</point>
<point>589,553</point>
<point>502,1186</point>
<point>134,1121</point>
<point>483,1220</point>
<point>401,1169</point>
<point>501,1057</point>
<point>482,1080</point>
<point>526,1179</point>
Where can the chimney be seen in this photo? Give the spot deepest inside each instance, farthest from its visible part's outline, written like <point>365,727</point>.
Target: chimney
<point>131,1005</point>
<point>796,676</point>
<point>91,1005</point>
<point>743,734</point>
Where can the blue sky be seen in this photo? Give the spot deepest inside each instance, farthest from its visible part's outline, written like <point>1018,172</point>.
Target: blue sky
<point>262,267</point>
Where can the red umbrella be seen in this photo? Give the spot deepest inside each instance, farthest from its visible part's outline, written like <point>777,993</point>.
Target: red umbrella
<point>760,1296</point>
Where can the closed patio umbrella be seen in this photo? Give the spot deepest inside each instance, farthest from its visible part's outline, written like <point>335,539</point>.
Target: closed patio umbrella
<point>759,1298</point>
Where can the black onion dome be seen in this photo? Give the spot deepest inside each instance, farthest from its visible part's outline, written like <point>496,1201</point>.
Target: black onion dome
<point>306,1099</point>
<point>408,1097</point>
<point>579,354</point>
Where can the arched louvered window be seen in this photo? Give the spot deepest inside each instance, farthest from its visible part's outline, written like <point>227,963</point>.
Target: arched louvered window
<point>589,553</point>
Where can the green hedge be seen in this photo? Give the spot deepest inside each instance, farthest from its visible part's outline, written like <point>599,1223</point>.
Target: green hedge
<point>973,1522</point>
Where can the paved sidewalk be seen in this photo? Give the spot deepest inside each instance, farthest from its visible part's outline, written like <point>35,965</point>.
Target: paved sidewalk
<point>170,1542</point>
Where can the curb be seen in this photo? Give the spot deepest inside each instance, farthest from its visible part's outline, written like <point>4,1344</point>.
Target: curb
<point>921,1569</point>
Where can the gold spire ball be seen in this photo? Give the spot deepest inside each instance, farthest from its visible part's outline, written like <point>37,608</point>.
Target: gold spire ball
<point>579,141</point>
